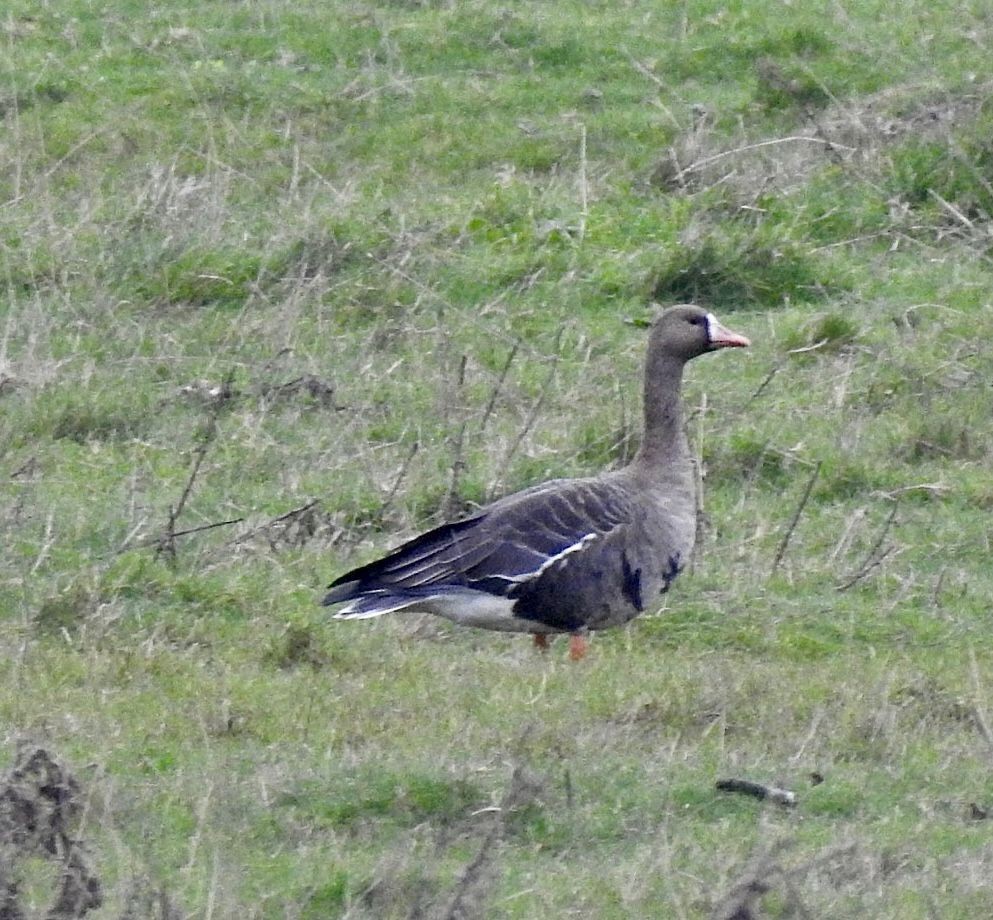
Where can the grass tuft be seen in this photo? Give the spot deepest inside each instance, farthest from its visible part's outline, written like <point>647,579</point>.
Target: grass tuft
<point>298,646</point>
<point>954,169</point>
<point>406,799</point>
<point>824,334</point>
<point>65,612</point>
<point>739,268</point>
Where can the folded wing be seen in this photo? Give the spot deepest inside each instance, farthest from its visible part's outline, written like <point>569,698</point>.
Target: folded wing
<point>496,551</point>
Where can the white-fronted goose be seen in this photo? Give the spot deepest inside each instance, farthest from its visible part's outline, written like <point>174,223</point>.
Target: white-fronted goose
<point>570,555</point>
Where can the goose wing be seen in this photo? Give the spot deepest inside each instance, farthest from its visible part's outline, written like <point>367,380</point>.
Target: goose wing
<point>503,546</point>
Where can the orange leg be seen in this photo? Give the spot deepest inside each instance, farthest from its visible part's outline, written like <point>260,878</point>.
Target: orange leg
<point>577,646</point>
<point>541,641</point>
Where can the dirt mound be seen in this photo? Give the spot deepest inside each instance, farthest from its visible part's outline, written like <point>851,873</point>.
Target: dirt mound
<point>40,806</point>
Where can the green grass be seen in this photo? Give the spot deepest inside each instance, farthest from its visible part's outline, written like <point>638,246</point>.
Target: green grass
<point>324,253</point>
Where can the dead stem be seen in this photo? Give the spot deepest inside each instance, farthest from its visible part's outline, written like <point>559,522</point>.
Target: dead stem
<point>781,550</point>
<point>532,417</point>
<point>874,557</point>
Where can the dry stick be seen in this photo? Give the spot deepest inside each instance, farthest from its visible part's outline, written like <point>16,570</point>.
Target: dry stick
<point>855,239</point>
<point>450,505</point>
<point>706,161</point>
<point>781,551</point>
<point>212,891</point>
<point>531,418</point>
<point>806,348</point>
<point>158,541</point>
<point>194,843</point>
<point>188,531</point>
<point>584,192</point>
<point>414,448</point>
<point>978,711</point>
<point>660,84</point>
<point>951,209</point>
<point>473,877</point>
<point>496,389</point>
<point>766,381</point>
<point>67,157</point>
<point>296,512</point>
<point>872,559</point>
<point>432,293</point>
<point>167,542</point>
<point>286,516</point>
<point>742,901</point>
<point>811,734</point>
<point>865,570</point>
<point>46,546</point>
<point>846,536</point>
<point>473,874</point>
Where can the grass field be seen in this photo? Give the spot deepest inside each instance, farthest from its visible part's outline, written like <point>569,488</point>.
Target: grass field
<point>325,274</point>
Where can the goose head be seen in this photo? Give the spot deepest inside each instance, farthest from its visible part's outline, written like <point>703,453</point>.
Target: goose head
<point>687,331</point>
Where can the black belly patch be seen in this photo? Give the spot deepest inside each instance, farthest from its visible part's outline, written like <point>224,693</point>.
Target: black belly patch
<point>631,584</point>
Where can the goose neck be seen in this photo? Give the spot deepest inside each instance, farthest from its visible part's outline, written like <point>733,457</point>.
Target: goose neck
<point>664,439</point>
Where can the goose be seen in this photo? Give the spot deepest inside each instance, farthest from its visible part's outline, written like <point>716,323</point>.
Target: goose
<point>569,555</point>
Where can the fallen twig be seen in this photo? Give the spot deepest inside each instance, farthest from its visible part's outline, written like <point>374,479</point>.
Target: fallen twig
<point>781,550</point>
<point>190,530</point>
<point>166,544</point>
<point>157,541</point>
<point>279,529</point>
<point>978,710</point>
<point>46,545</point>
<point>796,138</point>
<point>952,210</point>
<point>865,570</point>
<point>647,73</point>
<point>765,382</point>
<point>584,190</point>
<point>450,506</point>
<point>295,513</point>
<point>874,557</point>
<point>815,723</point>
<point>757,790</point>
<point>844,541</point>
<point>523,790</point>
<point>531,418</point>
<point>319,390</point>
<point>498,387</point>
<point>806,348</point>
<point>933,488</point>
<point>401,474</point>
<point>766,872</point>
